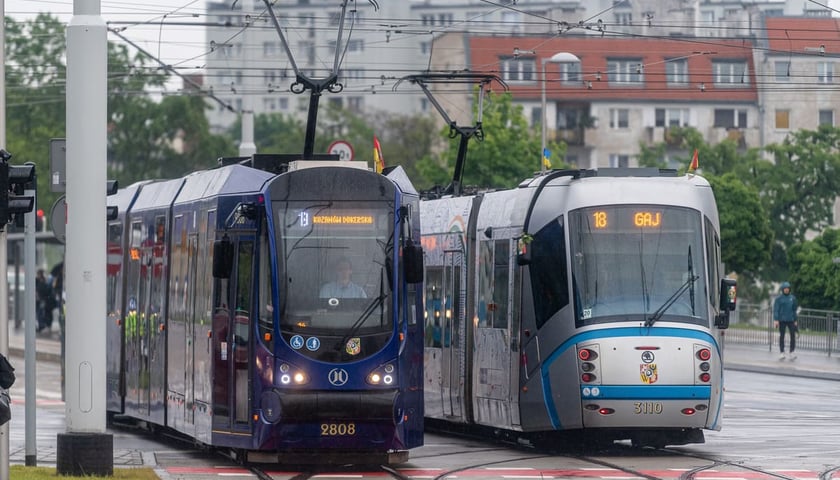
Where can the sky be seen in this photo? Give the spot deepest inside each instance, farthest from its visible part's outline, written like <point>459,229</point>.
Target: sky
<point>180,42</point>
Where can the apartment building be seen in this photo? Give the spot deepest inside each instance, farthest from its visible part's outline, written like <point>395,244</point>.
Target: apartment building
<point>250,68</point>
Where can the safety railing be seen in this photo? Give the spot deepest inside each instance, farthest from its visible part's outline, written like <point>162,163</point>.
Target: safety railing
<point>753,325</point>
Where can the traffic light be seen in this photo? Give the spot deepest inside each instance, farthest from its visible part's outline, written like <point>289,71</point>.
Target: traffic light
<point>13,180</point>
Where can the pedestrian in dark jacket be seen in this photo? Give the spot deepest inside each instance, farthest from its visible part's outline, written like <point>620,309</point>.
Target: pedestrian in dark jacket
<point>784,318</point>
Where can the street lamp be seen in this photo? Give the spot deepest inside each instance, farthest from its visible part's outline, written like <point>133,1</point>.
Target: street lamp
<point>562,57</point>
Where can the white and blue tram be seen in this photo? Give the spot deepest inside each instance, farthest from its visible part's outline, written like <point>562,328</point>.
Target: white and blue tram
<point>217,327</point>
<point>585,301</point>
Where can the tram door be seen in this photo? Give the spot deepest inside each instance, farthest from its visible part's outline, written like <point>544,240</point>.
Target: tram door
<point>190,329</point>
<point>232,342</point>
<point>492,355</point>
<point>452,354</point>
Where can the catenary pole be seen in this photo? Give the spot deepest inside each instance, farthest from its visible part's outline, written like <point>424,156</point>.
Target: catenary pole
<point>4,260</point>
<point>86,448</point>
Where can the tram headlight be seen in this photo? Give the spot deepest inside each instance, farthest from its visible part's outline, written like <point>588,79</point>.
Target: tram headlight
<point>290,375</point>
<point>382,375</point>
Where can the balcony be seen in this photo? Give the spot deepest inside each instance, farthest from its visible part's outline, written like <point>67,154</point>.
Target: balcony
<point>572,136</point>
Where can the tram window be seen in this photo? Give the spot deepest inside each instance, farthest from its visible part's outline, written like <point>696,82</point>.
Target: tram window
<point>485,306</point>
<point>713,259</point>
<point>501,270</point>
<point>434,306</point>
<point>549,278</point>
<point>265,295</point>
<point>244,270</point>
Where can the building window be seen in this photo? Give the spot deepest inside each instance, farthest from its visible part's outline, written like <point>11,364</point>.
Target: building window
<point>827,117</point>
<point>619,118</point>
<point>676,72</point>
<point>730,72</point>
<point>730,118</point>
<point>783,119</point>
<point>427,19</point>
<point>782,71</point>
<point>671,117</point>
<point>355,104</point>
<point>570,72</point>
<point>518,69</point>
<point>356,45</point>
<point>284,103</point>
<point>446,19</point>
<point>568,118</point>
<point>625,71</point>
<point>624,18</point>
<point>825,72</point>
<point>619,161</point>
<point>269,104</point>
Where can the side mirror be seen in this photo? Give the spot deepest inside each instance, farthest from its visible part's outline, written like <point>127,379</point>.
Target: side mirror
<point>523,250</point>
<point>413,263</point>
<point>222,258</point>
<point>728,293</point>
<point>728,299</point>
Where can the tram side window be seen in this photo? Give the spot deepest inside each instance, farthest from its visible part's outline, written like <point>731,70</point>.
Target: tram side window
<point>245,262</point>
<point>501,274</point>
<point>713,259</point>
<point>434,306</point>
<point>265,297</point>
<point>493,274</point>
<point>548,268</point>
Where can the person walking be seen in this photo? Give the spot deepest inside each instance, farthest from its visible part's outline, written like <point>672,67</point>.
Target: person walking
<point>784,318</point>
<point>43,290</point>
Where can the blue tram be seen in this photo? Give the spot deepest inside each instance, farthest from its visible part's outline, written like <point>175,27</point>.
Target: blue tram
<point>588,302</point>
<point>220,326</point>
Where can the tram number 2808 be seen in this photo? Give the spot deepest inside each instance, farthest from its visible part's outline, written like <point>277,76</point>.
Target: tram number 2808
<point>647,408</point>
<point>338,429</point>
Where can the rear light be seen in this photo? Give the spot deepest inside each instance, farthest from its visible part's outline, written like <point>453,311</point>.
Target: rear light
<point>688,411</point>
<point>606,411</point>
<point>704,354</point>
<point>705,366</point>
<point>587,367</point>
<point>587,354</point>
<point>587,377</point>
<point>705,377</point>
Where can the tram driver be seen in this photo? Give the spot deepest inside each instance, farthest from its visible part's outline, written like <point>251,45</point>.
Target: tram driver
<point>342,286</point>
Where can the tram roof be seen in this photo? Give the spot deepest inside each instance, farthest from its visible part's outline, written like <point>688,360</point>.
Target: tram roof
<point>228,180</point>
<point>157,194</point>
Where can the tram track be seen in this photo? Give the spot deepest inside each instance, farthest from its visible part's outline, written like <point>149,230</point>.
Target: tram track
<point>716,462</point>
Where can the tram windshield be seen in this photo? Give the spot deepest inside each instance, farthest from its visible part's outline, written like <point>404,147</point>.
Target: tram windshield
<point>638,263</point>
<point>334,278</point>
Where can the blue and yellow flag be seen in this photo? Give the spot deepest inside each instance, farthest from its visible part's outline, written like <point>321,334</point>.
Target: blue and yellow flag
<point>546,158</point>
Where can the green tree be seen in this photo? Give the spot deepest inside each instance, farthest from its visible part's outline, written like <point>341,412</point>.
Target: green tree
<point>146,138</point>
<point>509,152</point>
<point>799,190</point>
<point>814,273</point>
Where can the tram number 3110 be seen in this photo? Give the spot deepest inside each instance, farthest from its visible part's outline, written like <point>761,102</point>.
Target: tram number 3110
<point>647,408</point>
<point>337,429</point>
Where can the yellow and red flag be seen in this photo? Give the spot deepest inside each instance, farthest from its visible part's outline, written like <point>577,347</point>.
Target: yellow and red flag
<point>378,160</point>
<point>694,162</point>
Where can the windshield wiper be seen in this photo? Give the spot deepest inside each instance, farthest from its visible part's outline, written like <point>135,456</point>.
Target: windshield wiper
<point>372,306</point>
<point>671,300</point>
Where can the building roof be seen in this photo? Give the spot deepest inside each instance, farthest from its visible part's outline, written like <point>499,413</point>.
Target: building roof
<point>487,53</point>
<point>803,35</point>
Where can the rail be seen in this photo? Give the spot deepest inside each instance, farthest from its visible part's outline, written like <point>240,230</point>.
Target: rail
<point>753,325</point>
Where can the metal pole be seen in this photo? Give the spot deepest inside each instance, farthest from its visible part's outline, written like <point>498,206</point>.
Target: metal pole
<point>31,456</point>
<point>247,147</point>
<point>4,260</point>
<point>544,116</point>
